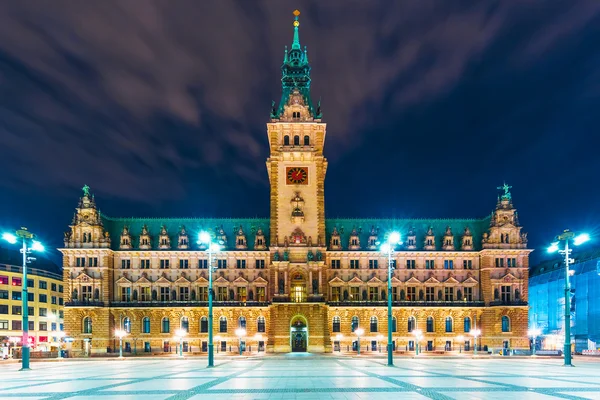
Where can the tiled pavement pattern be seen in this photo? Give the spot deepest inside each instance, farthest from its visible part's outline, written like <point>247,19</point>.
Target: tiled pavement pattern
<point>303,377</point>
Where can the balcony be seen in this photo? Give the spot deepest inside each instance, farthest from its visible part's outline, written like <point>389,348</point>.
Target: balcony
<point>383,303</point>
<point>191,303</point>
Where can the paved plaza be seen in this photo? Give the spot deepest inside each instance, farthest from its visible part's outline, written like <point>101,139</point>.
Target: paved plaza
<point>302,377</point>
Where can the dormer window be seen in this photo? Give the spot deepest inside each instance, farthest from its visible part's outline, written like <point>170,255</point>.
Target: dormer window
<point>296,115</point>
<point>354,242</point>
<point>336,242</point>
<point>259,242</point>
<point>429,242</point>
<point>240,241</point>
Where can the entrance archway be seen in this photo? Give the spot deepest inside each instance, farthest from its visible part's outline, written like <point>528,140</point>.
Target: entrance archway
<point>299,334</point>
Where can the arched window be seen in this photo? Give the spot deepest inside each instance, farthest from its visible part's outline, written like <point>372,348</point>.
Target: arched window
<point>430,326</point>
<point>146,325</point>
<point>203,325</point>
<point>242,322</point>
<point>127,324</point>
<point>374,324</point>
<point>223,324</point>
<point>412,324</point>
<point>449,324</point>
<point>185,324</point>
<point>286,140</point>
<point>354,324</point>
<point>87,325</point>
<point>260,322</point>
<point>467,325</point>
<point>165,325</point>
<point>336,324</point>
<point>505,324</point>
<point>306,140</point>
<point>394,325</point>
<point>296,140</point>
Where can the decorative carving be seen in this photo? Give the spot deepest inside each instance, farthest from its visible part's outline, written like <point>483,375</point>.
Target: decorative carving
<point>297,238</point>
<point>164,242</point>
<point>335,243</point>
<point>429,243</point>
<point>183,239</point>
<point>448,242</point>
<point>354,241</point>
<point>240,239</point>
<point>297,209</point>
<point>260,242</point>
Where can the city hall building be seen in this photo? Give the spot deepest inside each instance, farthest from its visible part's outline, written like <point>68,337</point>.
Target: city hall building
<point>296,281</point>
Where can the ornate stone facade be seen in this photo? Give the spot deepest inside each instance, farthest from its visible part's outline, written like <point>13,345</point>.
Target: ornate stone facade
<point>296,281</point>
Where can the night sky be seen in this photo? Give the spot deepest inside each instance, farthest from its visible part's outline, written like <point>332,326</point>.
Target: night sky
<point>160,107</point>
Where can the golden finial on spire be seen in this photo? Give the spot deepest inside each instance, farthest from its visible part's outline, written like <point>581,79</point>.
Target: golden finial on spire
<point>296,22</point>
<point>296,13</point>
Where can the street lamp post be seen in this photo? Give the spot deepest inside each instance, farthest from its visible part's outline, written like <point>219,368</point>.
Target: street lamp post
<point>359,332</point>
<point>388,247</point>
<point>120,334</point>
<point>205,238</point>
<point>179,334</point>
<point>418,336</point>
<point>475,333</point>
<point>460,339</point>
<point>60,335</point>
<point>26,237</point>
<point>534,333</point>
<point>577,240</point>
<point>240,333</point>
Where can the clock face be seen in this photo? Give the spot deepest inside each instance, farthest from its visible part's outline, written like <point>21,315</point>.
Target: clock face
<point>297,175</point>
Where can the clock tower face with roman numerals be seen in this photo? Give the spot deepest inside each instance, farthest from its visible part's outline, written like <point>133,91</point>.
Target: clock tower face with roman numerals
<point>296,175</point>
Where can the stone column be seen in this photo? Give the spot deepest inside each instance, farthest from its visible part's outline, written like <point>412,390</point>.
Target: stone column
<point>310,280</point>
<point>320,281</point>
<point>285,282</point>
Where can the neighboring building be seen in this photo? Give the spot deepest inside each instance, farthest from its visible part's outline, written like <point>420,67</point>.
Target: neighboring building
<point>547,300</point>
<point>45,291</point>
<point>296,281</point>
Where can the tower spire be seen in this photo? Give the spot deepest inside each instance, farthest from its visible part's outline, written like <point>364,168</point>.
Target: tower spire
<point>296,42</point>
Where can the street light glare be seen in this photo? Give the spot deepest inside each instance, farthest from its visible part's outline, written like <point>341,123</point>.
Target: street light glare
<point>385,247</point>
<point>37,246</point>
<point>204,237</point>
<point>9,237</point>
<point>394,238</point>
<point>553,248</point>
<point>582,238</point>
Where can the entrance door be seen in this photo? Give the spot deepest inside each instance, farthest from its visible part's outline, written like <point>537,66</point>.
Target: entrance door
<point>298,336</point>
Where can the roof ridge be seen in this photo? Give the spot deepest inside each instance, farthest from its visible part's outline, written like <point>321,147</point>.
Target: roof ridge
<point>177,218</point>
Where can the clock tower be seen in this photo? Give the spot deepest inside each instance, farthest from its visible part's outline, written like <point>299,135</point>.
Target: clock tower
<point>296,165</point>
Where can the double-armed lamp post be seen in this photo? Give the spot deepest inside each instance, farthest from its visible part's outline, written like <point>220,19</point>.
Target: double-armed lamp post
<point>388,247</point>
<point>28,244</point>
<point>565,237</point>
<point>205,238</point>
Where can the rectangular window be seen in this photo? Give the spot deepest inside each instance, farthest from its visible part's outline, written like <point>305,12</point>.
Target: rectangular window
<point>43,312</point>
<point>61,315</point>
<point>429,294</point>
<point>203,293</point>
<point>60,301</point>
<point>144,264</point>
<point>241,264</point>
<point>373,294</point>
<point>43,284</point>
<point>126,294</point>
<point>31,311</point>
<point>242,294</point>
<point>164,294</point>
<point>183,264</point>
<point>125,264</point>
<point>43,326</point>
<point>336,293</point>
<point>499,262</point>
<point>395,294</point>
<point>260,264</point>
<point>43,298</point>
<point>468,264</point>
<point>372,264</point>
<point>393,264</point>
<point>3,294</point>
<point>93,261</point>
<point>60,288</point>
<point>511,262</point>
<point>260,294</point>
<point>429,264</point>
<point>411,293</point>
<point>80,261</point>
<point>3,308</point>
<point>410,264</point>
<point>354,293</point>
<point>3,280</point>
<point>184,293</point>
<point>16,325</point>
<point>53,300</point>
<point>16,295</point>
<point>17,281</point>
<point>164,263</point>
<point>17,310</point>
<point>86,292</point>
<point>53,286</point>
<point>145,293</point>
<point>354,264</point>
<point>53,326</point>
<point>221,294</point>
<point>222,264</point>
<point>449,293</point>
<point>506,291</point>
<point>203,264</point>
<point>30,296</point>
<point>448,264</point>
<point>335,264</point>
<point>30,283</point>
<point>4,325</point>
<point>468,291</point>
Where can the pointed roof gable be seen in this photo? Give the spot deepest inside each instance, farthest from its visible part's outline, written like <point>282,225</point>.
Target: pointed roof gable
<point>336,281</point>
<point>374,281</point>
<point>470,281</point>
<point>396,280</point>
<point>83,277</point>
<point>182,280</point>
<point>260,281</point>
<point>163,281</point>
<point>356,281</point>
<point>413,281</point>
<point>431,281</point>
<point>123,281</point>
<point>451,280</point>
<point>201,280</point>
<point>143,280</point>
<point>221,280</point>
<point>240,280</point>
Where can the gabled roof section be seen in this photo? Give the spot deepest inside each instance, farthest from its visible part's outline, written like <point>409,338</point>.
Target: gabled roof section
<point>336,281</point>
<point>182,280</point>
<point>413,280</point>
<point>431,281</point>
<point>356,280</point>
<point>260,281</point>
<point>143,280</point>
<point>374,281</point>
<point>122,281</point>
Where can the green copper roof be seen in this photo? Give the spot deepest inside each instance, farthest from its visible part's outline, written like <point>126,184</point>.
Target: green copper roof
<point>193,227</point>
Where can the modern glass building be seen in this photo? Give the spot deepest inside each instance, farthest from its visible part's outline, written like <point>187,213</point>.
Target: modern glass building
<point>547,301</point>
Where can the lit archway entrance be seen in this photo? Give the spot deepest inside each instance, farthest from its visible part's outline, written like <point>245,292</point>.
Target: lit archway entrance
<point>299,334</point>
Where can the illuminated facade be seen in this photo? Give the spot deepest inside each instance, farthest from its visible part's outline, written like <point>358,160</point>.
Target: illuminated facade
<point>45,291</point>
<point>296,281</point>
